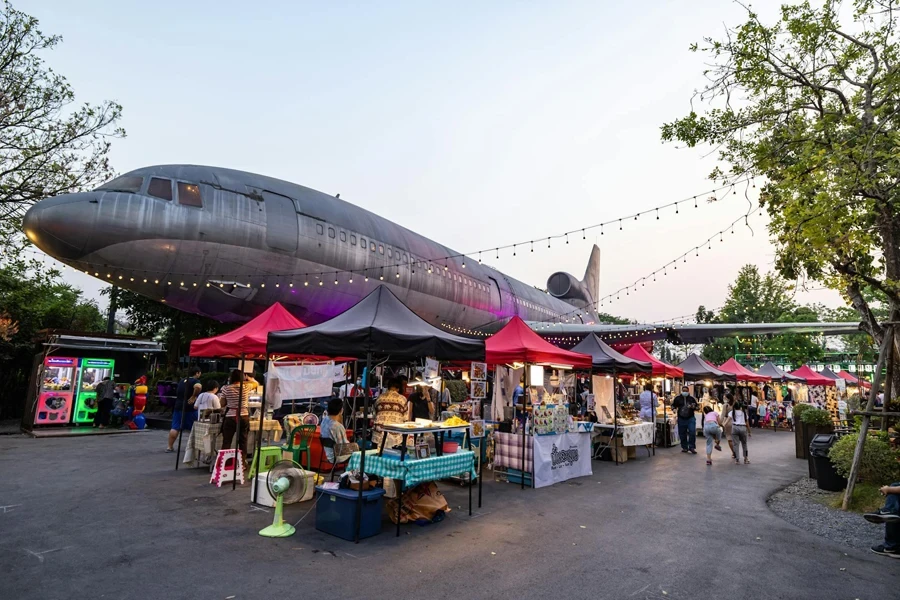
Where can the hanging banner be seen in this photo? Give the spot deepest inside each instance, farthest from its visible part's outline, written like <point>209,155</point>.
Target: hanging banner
<point>298,382</point>
<point>561,457</point>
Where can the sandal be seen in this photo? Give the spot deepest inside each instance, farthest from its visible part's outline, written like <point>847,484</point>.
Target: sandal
<point>737,462</point>
<point>709,463</point>
<point>718,447</point>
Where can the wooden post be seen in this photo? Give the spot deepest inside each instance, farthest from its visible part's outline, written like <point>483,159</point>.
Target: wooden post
<point>883,352</point>
<point>888,381</point>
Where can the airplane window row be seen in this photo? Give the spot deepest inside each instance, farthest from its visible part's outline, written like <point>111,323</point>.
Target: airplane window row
<point>396,254</point>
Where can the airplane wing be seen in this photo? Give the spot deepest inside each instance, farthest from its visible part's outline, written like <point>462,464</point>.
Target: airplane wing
<point>683,334</point>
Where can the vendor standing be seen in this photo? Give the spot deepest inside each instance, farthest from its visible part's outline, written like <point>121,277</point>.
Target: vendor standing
<point>420,405</point>
<point>236,398</point>
<point>648,401</point>
<point>391,408</point>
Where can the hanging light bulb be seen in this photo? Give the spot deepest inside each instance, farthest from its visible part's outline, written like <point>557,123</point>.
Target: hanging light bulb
<point>532,245</point>
<point>321,283</point>
<point>620,224</point>
<point>207,284</point>
<point>695,201</point>
<point>277,285</point>
<point>156,281</point>
<point>262,285</point>
<point>291,284</point>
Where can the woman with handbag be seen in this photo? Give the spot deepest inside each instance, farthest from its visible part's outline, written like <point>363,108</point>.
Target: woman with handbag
<point>727,421</point>
<point>740,431</point>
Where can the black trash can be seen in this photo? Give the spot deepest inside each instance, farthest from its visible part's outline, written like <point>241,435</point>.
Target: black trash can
<point>826,477</point>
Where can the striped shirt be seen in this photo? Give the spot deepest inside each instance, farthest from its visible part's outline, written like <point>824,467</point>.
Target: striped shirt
<point>231,394</point>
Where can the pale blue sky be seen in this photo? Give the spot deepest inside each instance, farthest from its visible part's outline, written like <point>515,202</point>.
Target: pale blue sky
<point>477,124</point>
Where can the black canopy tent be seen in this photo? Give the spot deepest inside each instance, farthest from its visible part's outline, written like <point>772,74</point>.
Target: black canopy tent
<point>607,360</point>
<point>697,369</point>
<point>381,326</point>
<point>826,372</point>
<point>770,370</point>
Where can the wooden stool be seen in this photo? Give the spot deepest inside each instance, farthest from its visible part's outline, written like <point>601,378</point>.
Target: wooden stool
<point>268,456</point>
<point>229,464</point>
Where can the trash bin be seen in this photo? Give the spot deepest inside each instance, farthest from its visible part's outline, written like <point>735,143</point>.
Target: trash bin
<point>826,477</point>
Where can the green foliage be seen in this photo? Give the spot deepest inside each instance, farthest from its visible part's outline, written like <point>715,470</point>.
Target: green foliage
<point>866,498</point>
<point>48,144</point>
<point>799,409</point>
<point>816,416</point>
<point>879,462</point>
<point>459,391</point>
<point>816,119</point>
<point>608,318</point>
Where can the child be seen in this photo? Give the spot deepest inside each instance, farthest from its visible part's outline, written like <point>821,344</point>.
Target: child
<point>763,414</point>
<point>208,402</point>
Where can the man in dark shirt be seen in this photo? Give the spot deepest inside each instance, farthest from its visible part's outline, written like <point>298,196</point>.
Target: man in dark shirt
<point>184,415</point>
<point>106,392</point>
<point>684,406</point>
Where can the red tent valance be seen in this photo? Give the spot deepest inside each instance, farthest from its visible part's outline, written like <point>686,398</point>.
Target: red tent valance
<point>250,338</point>
<point>853,380</point>
<point>811,377</point>
<point>638,352</point>
<point>741,372</point>
<point>516,342</point>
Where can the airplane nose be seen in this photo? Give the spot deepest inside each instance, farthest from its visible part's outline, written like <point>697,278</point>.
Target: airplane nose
<point>60,225</point>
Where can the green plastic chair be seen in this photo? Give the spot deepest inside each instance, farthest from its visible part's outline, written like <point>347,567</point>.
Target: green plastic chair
<point>298,443</point>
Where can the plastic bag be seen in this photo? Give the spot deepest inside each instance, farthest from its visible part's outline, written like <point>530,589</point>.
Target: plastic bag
<point>423,504</point>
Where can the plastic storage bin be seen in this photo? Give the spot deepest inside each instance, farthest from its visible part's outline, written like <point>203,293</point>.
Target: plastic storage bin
<point>336,513</point>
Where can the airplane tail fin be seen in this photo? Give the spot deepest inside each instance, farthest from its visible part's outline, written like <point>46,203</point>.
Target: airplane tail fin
<point>582,293</point>
<point>591,281</point>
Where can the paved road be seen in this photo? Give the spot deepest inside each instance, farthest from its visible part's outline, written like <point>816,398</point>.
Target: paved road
<point>108,517</point>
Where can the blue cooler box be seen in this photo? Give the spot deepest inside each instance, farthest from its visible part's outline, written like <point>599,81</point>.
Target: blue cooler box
<point>336,512</point>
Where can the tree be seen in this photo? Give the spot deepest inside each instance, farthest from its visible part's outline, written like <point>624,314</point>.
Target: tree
<point>812,106</point>
<point>48,145</point>
<point>175,328</point>
<point>755,298</point>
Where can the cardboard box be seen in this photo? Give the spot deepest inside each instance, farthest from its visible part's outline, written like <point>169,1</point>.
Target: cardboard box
<point>616,450</point>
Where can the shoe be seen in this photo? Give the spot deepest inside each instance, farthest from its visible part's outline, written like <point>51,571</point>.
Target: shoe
<point>881,517</point>
<point>170,450</point>
<point>880,549</point>
<point>692,451</point>
<point>683,451</point>
<point>718,447</point>
<point>746,461</point>
<point>709,463</point>
<point>737,462</point>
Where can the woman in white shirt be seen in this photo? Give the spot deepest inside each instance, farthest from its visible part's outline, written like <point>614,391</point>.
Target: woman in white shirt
<point>208,402</point>
<point>739,431</point>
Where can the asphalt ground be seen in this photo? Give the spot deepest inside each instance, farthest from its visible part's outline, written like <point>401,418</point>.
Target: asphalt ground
<point>109,517</point>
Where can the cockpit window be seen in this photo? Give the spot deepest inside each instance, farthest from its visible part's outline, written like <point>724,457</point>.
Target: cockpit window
<point>189,194</point>
<point>160,188</point>
<point>126,183</point>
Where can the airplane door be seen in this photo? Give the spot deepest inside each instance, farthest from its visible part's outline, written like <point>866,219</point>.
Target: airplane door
<point>281,222</point>
<point>496,298</point>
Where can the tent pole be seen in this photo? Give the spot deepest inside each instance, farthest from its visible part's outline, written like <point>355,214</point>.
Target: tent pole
<point>181,429</point>
<point>257,446</point>
<point>362,448</point>
<point>614,445</point>
<point>524,441</point>
<point>237,420</point>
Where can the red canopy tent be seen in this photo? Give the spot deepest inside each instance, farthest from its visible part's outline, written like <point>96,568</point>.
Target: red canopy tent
<point>516,342</point>
<point>638,352</point>
<point>248,340</point>
<point>853,380</point>
<point>741,372</point>
<point>811,377</point>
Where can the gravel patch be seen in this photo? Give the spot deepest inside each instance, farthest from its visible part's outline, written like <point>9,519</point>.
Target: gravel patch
<point>803,504</point>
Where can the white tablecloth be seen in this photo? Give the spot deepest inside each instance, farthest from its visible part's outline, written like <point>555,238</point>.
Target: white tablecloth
<point>640,434</point>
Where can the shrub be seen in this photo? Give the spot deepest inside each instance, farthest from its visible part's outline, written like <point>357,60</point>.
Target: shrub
<point>816,416</point>
<point>879,462</point>
<point>799,409</point>
<point>459,391</point>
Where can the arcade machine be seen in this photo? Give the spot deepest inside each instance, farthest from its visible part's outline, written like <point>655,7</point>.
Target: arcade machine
<point>93,370</point>
<point>57,391</point>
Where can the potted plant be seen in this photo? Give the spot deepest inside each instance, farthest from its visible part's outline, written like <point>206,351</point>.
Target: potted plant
<point>801,444</point>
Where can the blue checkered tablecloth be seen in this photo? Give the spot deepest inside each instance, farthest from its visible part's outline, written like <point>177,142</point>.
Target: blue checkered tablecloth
<point>413,470</point>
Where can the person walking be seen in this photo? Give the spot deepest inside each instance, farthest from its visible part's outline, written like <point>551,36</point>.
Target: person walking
<point>184,415</point>
<point>739,431</point>
<point>753,413</point>
<point>684,406</point>
<point>711,432</point>
<point>727,421</point>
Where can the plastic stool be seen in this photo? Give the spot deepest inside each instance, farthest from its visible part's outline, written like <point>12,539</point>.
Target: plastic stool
<point>229,464</point>
<point>268,456</point>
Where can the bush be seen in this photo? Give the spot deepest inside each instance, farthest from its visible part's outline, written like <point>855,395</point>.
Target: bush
<point>799,409</point>
<point>459,391</point>
<point>816,416</point>
<point>878,465</point>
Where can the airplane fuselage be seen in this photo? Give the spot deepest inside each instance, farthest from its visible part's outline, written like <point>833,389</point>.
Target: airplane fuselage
<point>227,244</point>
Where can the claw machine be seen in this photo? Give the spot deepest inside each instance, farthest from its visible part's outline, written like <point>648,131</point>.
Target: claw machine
<point>57,391</point>
<point>92,372</point>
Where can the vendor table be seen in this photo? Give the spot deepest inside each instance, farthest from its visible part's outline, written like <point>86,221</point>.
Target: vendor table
<point>203,442</point>
<point>638,434</point>
<point>410,471</point>
<point>271,433</point>
<point>559,457</point>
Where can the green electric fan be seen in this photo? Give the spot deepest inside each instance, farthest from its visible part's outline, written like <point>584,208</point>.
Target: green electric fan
<point>286,482</point>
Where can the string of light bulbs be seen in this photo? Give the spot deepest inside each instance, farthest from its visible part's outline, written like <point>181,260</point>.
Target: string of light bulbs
<point>392,270</point>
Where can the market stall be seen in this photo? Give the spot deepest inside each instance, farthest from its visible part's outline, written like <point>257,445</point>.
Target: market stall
<point>818,388</point>
<point>381,327</point>
<point>559,446</point>
<point>665,374</point>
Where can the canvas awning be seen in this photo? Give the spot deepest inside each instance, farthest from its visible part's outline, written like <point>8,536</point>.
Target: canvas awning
<point>770,370</point>
<point>517,342</point>
<point>811,377</point>
<point>381,325</point>
<point>742,373</point>
<point>606,359</point>
<point>826,372</point>
<point>697,369</point>
<point>248,340</point>
<point>853,380</point>
<point>658,367</point>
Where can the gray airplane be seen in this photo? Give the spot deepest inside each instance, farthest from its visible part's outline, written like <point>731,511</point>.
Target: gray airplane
<point>227,244</point>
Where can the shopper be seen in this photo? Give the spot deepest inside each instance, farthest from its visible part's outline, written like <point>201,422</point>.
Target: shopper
<point>390,408</point>
<point>740,431</point>
<point>753,413</point>
<point>889,514</point>
<point>332,428</point>
<point>727,421</point>
<point>711,432</point>
<point>106,393</point>
<point>237,411</point>
<point>684,406</point>
<point>648,402</point>
<point>208,402</point>
<point>183,416</point>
